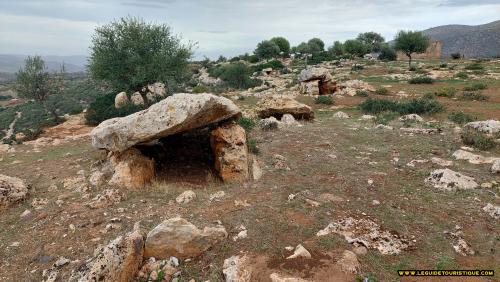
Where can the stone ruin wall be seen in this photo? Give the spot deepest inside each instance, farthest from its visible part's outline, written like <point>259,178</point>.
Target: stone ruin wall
<point>433,52</point>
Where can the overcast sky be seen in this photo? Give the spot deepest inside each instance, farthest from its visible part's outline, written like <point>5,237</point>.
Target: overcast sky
<point>229,27</point>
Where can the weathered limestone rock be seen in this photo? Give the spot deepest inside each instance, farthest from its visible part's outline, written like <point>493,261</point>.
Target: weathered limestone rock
<point>236,269</point>
<point>158,89</point>
<point>277,106</point>
<point>317,80</point>
<point>269,124</point>
<point>119,261</point>
<point>492,210</point>
<point>275,277</point>
<point>473,158</point>
<point>121,100</point>
<point>340,115</point>
<point>495,168</point>
<point>349,262</point>
<point>12,190</point>
<point>300,252</point>
<point>131,169</point>
<point>185,197</point>
<point>485,126</point>
<point>178,113</point>
<point>231,153</point>
<point>179,238</point>
<point>449,180</point>
<point>411,117</point>
<point>137,99</point>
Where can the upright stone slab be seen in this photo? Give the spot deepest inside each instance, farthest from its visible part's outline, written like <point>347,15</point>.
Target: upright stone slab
<point>231,152</point>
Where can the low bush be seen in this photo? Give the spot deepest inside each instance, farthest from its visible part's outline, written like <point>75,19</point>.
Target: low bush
<point>324,99</point>
<point>421,80</point>
<point>247,123</point>
<point>103,108</point>
<point>382,91</point>
<point>461,117</point>
<point>476,86</point>
<point>415,106</point>
<point>473,96</point>
<point>446,92</point>
<point>462,75</point>
<point>361,93</point>
<point>474,66</point>
<point>253,147</point>
<point>443,65</point>
<point>274,64</point>
<point>478,140</point>
<point>5,97</point>
<point>235,75</point>
<point>413,68</point>
<point>386,117</point>
<point>200,89</point>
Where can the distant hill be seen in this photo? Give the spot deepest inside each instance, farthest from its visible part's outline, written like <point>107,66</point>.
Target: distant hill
<point>12,63</point>
<point>480,41</point>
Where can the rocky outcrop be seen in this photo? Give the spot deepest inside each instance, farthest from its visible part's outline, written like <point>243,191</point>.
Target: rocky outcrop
<point>473,158</point>
<point>231,153</point>
<point>317,81</point>
<point>121,100</point>
<point>486,126</point>
<point>119,261</point>
<point>449,180</point>
<point>12,190</point>
<point>237,269</point>
<point>180,238</point>
<point>278,106</point>
<point>131,169</point>
<point>175,114</point>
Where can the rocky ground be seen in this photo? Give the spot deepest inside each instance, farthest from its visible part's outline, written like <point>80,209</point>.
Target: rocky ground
<point>334,198</point>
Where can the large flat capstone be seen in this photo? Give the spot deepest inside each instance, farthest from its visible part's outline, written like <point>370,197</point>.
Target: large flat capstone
<point>177,113</point>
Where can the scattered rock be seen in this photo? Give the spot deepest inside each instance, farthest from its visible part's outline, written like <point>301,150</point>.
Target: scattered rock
<point>178,113</point>
<point>242,234</point>
<point>441,162</point>
<point>217,196</point>
<point>269,124</point>
<point>367,233</point>
<point>118,261</point>
<point>137,99</point>
<point>300,252</point>
<point>121,100</point>
<point>279,162</point>
<point>256,170</point>
<point>367,117</point>
<point>493,211</point>
<point>275,277</point>
<point>236,269</point>
<point>487,126</point>
<point>473,158</point>
<point>412,163</point>
<point>185,197</point>
<point>449,180</point>
<point>383,126</point>
<point>495,168</point>
<point>108,198</point>
<point>12,190</point>
<point>180,238</point>
<point>349,262</point>
<point>288,120</point>
<point>412,130</point>
<point>341,115</point>
<point>97,179</point>
<point>411,117</point>
<point>25,215</point>
<point>317,81</point>
<point>278,106</point>
<point>131,169</point>
<point>231,153</point>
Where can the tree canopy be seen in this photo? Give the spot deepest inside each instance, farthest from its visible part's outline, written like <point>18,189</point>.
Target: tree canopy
<point>410,42</point>
<point>282,43</point>
<point>373,39</point>
<point>130,53</point>
<point>267,50</point>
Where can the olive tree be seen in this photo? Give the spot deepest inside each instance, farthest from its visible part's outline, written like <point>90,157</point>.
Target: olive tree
<point>33,80</point>
<point>316,45</point>
<point>356,47</point>
<point>337,49</point>
<point>282,43</point>
<point>410,42</point>
<point>267,49</point>
<point>373,39</point>
<point>129,53</point>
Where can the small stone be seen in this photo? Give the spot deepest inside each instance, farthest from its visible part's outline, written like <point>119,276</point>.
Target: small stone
<point>375,202</point>
<point>185,197</point>
<point>300,251</point>
<point>217,196</point>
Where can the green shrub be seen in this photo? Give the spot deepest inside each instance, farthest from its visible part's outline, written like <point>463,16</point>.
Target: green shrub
<point>443,65</point>
<point>324,99</point>
<point>478,140</point>
<point>103,108</point>
<point>274,64</point>
<point>462,75</point>
<point>421,80</point>
<point>455,56</point>
<point>461,118</point>
<point>235,75</point>
<point>386,117</point>
<point>361,93</point>
<point>474,66</point>
<point>357,67</point>
<point>473,96</point>
<point>428,95</point>
<point>476,86</point>
<point>382,91</point>
<point>253,147</point>
<point>415,106</point>
<point>413,68</point>
<point>5,97</point>
<point>247,123</point>
<point>446,92</point>
<point>200,89</point>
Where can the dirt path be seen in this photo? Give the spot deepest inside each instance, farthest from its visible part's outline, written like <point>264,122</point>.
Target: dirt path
<point>10,132</point>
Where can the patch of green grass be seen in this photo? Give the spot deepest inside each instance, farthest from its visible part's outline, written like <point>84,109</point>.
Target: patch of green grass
<point>478,140</point>
<point>476,86</point>
<point>421,80</point>
<point>446,92</point>
<point>200,89</point>
<point>382,91</point>
<point>461,118</point>
<point>462,75</point>
<point>474,66</point>
<point>386,117</point>
<point>253,147</point>
<point>324,99</point>
<point>361,93</point>
<point>445,262</point>
<point>473,96</point>
<point>415,106</point>
<point>247,123</point>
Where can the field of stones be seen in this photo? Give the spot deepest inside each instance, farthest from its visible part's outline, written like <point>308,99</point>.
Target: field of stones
<point>341,171</point>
